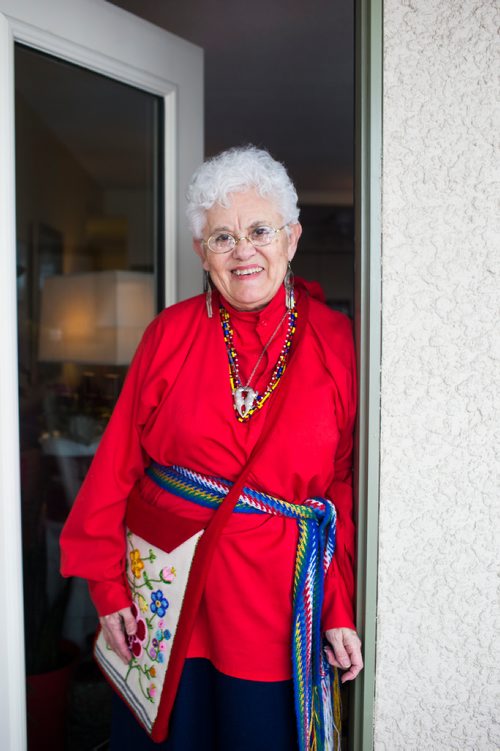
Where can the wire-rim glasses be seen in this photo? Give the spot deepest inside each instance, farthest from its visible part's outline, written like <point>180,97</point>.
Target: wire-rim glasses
<point>258,236</point>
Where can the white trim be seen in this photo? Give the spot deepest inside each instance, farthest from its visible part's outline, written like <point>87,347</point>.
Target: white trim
<point>12,685</point>
<point>45,41</point>
<point>171,207</point>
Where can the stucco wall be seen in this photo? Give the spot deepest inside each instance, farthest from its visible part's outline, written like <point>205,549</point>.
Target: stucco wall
<point>439,467</point>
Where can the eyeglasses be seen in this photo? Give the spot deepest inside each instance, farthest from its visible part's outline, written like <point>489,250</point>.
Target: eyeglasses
<point>259,236</point>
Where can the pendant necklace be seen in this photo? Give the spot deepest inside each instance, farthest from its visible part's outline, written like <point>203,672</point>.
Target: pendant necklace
<point>245,399</point>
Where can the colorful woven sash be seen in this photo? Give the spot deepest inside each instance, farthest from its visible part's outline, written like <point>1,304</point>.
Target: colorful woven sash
<point>314,681</point>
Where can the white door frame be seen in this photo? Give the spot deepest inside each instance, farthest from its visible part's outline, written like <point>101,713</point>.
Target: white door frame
<point>110,41</point>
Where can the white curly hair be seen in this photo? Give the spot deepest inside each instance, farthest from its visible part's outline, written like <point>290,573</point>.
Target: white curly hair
<point>233,171</point>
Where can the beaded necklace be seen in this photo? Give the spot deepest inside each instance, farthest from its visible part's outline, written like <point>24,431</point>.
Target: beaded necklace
<point>247,401</point>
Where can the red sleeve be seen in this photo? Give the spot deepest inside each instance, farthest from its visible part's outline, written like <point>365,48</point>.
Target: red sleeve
<point>93,538</point>
<point>338,604</point>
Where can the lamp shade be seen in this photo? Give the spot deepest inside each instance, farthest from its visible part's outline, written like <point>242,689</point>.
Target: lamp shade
<point>95,318</point>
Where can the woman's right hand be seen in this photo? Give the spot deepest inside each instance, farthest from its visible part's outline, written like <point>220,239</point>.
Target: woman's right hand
<point>114,627</point>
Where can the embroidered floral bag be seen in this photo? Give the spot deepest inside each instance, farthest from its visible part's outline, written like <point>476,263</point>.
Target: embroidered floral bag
<point>157,582</point>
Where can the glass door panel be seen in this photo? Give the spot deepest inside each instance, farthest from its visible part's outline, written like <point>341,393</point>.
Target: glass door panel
<point>89,229</point>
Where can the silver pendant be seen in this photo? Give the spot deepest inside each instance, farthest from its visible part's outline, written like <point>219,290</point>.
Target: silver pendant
<point>244,399</point>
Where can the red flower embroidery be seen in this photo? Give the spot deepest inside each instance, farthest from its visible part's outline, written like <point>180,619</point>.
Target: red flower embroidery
<point>136,641</point>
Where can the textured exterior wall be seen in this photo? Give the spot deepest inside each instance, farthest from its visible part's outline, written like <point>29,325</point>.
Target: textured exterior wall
<point>439,467</point>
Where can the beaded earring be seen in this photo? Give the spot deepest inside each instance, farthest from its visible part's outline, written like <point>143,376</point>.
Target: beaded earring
<point>288,282</point>
<point>207,289</point>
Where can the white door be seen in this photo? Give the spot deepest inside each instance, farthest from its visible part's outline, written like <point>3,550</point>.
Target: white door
<point>100,187</point>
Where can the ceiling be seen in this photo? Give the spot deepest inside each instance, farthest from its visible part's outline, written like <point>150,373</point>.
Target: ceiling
<point>279,74</point>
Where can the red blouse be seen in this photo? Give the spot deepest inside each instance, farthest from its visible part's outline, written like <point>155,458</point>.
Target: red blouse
<point>176,408</point>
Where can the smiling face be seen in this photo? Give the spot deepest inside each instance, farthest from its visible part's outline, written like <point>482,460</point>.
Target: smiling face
<point>248,277</point>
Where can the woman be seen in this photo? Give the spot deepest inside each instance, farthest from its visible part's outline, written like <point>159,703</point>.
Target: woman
<point>205,374</point>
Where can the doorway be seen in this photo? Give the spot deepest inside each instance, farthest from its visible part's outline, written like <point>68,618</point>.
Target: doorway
<point>365,298</point>
<point>286,56</point>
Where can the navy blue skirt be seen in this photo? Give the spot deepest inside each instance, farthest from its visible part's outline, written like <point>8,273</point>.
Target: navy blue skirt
<point>214,712</point>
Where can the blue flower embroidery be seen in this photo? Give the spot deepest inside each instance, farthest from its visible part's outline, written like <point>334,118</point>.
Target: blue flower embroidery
<point>159,603</point>
<point>167,634</point>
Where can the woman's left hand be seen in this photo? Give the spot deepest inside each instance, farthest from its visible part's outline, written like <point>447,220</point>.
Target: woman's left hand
<point>344,651</point>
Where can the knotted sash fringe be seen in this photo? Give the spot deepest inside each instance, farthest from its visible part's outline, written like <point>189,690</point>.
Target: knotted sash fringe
<point>314,681</point>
